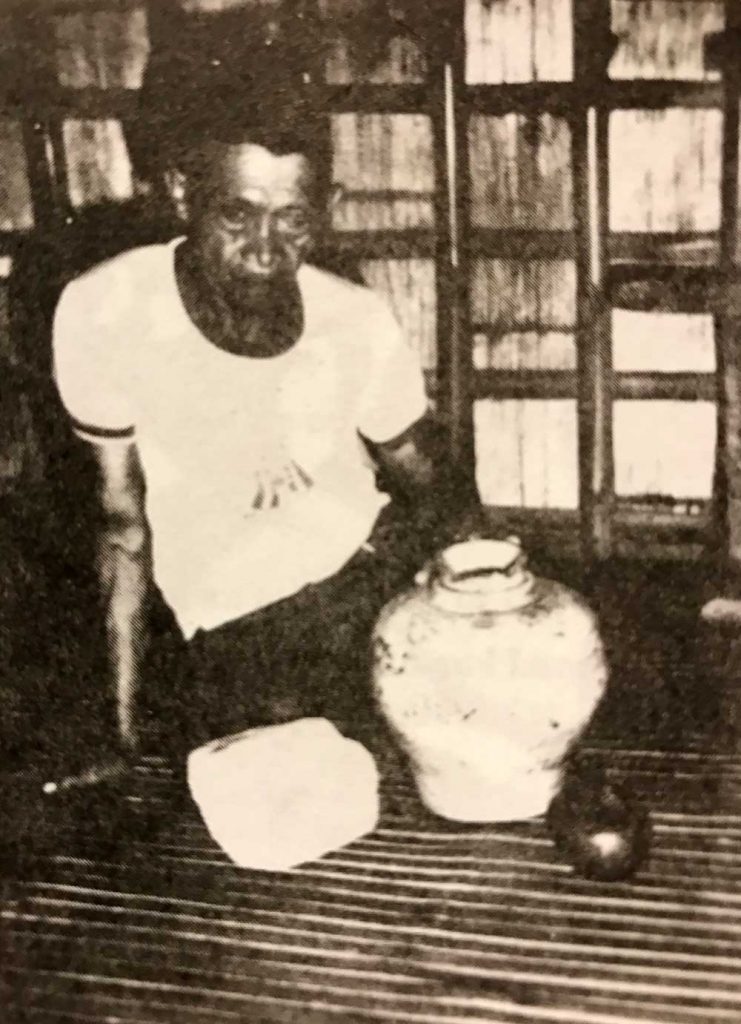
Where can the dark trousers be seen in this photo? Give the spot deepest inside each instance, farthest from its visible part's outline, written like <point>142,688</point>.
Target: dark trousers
<point>307,655</point>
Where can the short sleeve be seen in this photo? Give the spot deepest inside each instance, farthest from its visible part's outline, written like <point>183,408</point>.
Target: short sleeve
<point>88,368</point>
<point>394,397</point>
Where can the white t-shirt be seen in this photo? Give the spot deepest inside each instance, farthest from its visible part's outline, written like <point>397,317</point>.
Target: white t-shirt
<point>257,482</point>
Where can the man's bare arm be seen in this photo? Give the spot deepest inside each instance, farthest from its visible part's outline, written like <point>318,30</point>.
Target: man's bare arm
<point>124,569</point>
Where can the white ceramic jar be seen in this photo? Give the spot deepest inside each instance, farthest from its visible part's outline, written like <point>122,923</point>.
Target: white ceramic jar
<point>487,674</point>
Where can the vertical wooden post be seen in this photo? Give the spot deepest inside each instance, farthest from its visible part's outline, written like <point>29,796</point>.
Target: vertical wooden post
<point>33,98</point>
<point>454,366</point>
<point>727,48</point>
<point>34,124</point>
<point>592,50</point>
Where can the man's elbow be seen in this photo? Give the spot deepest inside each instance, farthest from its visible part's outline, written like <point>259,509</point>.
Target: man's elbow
<point>126,534</point>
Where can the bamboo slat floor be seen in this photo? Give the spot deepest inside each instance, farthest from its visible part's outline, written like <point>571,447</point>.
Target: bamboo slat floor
<point>421,921</point>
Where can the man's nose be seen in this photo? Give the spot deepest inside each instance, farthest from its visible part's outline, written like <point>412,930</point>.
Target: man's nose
<point>265,249</point>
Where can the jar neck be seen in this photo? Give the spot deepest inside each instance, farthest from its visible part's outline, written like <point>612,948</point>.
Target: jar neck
<point>479,576</point>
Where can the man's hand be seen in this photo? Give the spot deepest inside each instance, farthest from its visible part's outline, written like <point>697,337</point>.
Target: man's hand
<point>407,461</point>
<point>442,499</point>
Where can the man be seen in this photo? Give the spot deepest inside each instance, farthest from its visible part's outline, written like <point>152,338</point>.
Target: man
<point>240,402</point>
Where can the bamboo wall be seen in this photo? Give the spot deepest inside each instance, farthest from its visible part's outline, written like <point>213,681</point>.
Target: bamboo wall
<point>664,173</point>
<point>663,38</point>
<point>102,49</point>
<point>524,314</point>
<point>518,41</point>
<point>385,166</point>
<point>107,49</point>
<point>520,171</point>
<point>403,63</point>
<point>384,163</point>
<point>665,170</point>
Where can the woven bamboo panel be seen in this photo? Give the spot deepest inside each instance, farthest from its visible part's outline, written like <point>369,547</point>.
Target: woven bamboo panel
<point>518,41</point>
<point>526,452</point>
<point>665,170</point>
<point>520,171</point>
<point>663,38</point>
<point>352,55</point>
<point>524,314</point>
<point>409,286</point>
<point>101,48</point>
<point>402,62</point>
<point>667,342</point>
<point>98,166</point>
<point>16,213</point>
<point>384,163</point>
<point>664,448</point>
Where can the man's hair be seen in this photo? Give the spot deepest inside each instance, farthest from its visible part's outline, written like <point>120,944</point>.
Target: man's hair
<point>215,89</point>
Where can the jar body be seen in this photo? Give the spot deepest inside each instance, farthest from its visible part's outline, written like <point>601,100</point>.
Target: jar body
<point>486,700</point>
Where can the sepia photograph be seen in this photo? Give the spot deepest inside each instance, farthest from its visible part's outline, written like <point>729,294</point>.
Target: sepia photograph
<point>370,512</point>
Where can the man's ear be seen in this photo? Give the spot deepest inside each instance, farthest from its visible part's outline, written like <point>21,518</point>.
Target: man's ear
<point>177,189</point>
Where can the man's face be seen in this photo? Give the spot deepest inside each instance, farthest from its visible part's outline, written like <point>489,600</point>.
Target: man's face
<point>252,217</point>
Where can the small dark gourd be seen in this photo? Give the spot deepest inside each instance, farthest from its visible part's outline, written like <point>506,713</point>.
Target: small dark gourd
<point>598,827</point>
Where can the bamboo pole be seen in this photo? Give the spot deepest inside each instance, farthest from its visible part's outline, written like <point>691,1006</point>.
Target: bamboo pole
<point>454,363</point>
<point>590,176</point>
<point>31,34</point>
<point>728,321</point>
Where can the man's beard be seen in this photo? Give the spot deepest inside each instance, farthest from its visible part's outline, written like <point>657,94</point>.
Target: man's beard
<point>243,314</point>
<point>266,314</point>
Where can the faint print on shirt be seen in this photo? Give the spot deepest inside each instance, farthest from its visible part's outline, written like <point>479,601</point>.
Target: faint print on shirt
<point>273,487</point>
